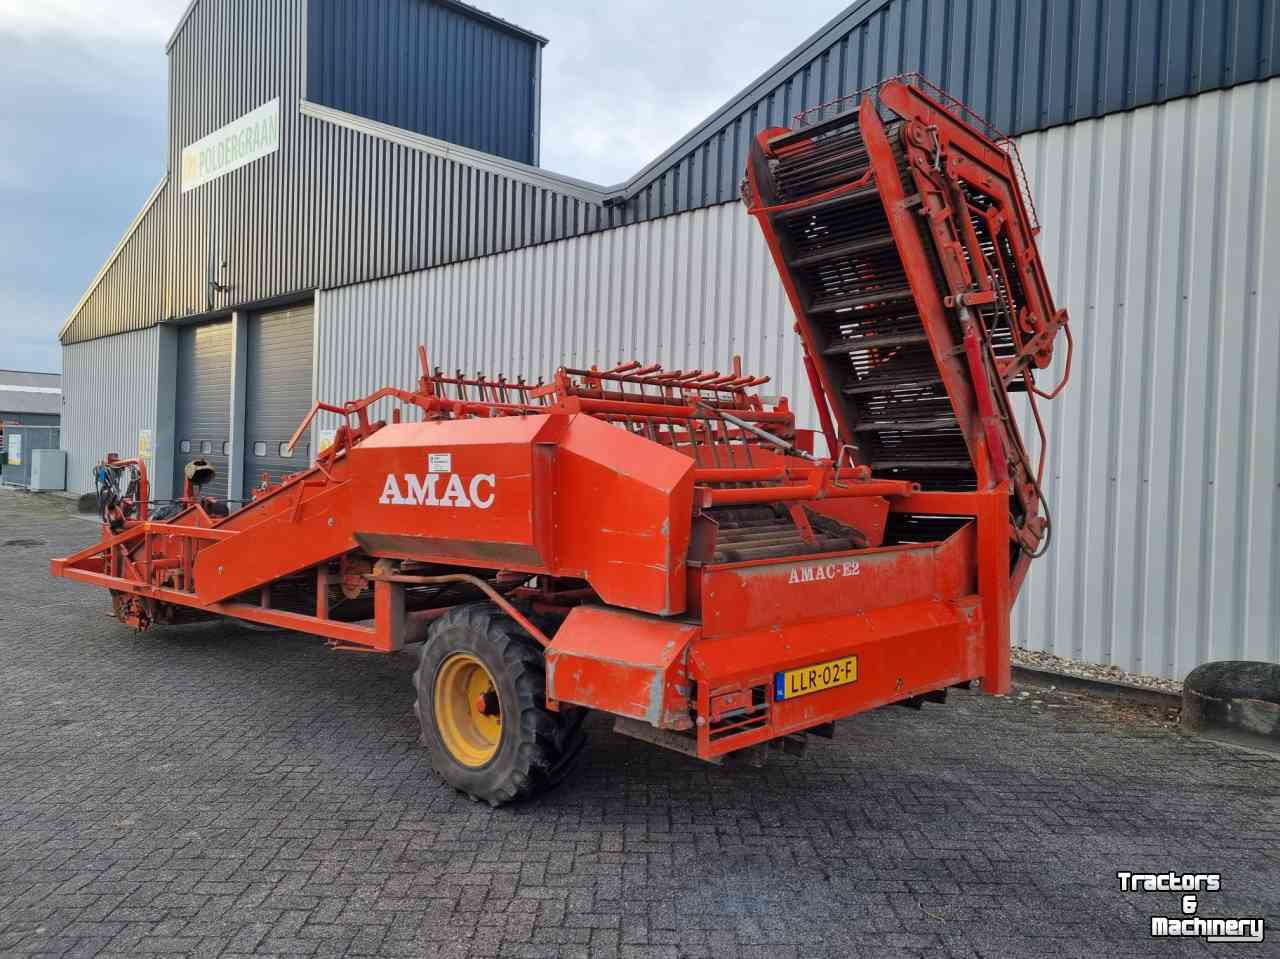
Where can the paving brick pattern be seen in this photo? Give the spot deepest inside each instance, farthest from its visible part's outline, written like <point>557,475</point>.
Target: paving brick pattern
<point>215,791</point>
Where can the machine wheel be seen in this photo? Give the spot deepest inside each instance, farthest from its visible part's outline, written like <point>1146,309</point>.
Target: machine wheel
<point>481,685</point>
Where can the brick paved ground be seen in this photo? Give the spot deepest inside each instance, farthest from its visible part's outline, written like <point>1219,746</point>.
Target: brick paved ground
<point>214,791</point>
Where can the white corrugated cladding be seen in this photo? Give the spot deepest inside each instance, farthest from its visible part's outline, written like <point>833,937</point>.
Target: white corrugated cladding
<point>686,291</point>
<point>109,393</point>
<point>1163,471</point>
<point>1162,238</point>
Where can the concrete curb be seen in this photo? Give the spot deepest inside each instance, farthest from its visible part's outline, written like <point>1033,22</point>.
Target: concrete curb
<point>1125,692</point>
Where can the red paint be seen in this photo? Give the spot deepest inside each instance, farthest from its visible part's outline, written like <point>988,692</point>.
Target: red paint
<point>603,496</point>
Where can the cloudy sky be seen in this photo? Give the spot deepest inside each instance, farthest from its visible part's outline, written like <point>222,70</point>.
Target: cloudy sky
<point>83,91</point>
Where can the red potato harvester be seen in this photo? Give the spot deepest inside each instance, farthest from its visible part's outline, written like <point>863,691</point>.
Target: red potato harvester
<point>660,545</point>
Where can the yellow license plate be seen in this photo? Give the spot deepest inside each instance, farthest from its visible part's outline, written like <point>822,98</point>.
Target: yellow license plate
<point>815,678</point>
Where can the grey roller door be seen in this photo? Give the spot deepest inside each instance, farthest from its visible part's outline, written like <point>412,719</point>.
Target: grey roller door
<point>203,421</point>
<point>277,393</point>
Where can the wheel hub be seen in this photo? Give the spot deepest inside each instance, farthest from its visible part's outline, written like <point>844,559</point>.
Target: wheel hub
<point>468,710</point>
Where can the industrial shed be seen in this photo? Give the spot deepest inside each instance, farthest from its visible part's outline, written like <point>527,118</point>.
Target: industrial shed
<point>31,399</point>
<point>367,180</point>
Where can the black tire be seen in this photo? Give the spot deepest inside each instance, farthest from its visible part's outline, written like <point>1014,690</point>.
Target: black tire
<point>537,748</point>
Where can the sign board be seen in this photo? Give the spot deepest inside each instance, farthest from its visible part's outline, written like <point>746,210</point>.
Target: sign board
<point>146,446</point>
<point>15,449</point>
<point>243,140</point>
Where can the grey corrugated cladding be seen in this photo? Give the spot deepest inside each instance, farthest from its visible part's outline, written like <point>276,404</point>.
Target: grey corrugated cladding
<point>434,68</point>
<point>1023,64</point>
<point>110,393</point>
<point>339,205</point>
<point>330,207</point>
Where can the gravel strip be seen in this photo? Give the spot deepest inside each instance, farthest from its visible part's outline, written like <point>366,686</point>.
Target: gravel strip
<point>1037,659</point>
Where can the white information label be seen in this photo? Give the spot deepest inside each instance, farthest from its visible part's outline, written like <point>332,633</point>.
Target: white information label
<point>243,140</point>
<point>327,436</point>
<point>439,462</point>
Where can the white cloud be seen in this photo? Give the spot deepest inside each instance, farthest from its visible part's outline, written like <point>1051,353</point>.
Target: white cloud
<point>623,81</point>
<point>92,19</point>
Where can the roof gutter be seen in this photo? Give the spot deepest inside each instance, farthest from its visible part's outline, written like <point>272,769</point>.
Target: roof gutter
<point>485,17</point>
<point>488,162</point>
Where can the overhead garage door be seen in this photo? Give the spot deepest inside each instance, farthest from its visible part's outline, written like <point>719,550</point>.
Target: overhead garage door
<point>277,393</point>
<point>203,420</point>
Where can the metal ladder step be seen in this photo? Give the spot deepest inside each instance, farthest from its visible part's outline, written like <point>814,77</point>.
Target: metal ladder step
<point>810,133</point>
<point>881,242</point>
<point>836,202</point>
<point>875,342</point>
<point>911,426</point>
<point>875,384</point>
<point>832,304</point>
<point>921,464</point>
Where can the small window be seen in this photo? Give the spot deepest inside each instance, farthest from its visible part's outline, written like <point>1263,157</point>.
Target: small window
<point>285,452</point>
<point>185,446</point>
<point>259,448</point>
<point>226,447</point>
<point>206,446</point>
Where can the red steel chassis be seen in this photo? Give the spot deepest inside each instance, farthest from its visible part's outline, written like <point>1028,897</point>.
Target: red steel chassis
<point>685,543</point>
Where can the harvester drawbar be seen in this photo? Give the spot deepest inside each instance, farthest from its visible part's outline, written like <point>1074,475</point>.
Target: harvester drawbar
<point>662,545</point>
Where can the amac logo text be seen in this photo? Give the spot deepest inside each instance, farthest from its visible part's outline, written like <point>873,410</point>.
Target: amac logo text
<point>824,571</point>
<point>440,489</point>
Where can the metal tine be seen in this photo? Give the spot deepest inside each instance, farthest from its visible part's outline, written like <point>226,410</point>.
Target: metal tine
<point>725,449</point>
<point>691,431</point>
<point>720,381</point>
<point>714,444</point>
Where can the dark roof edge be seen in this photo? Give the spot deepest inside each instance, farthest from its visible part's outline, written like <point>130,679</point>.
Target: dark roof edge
<point>495,21</point>
<point>464,8</point>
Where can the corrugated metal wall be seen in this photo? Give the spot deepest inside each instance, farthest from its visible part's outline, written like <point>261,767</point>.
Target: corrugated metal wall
<point>330,207</point>
<point>1162,235</point>
<point>22,441</point>
<point>1164,468</point>
<point>690,290</point>
<point>426,67</point>
<point>109,388</point>
<point>334,206</point>
<point>1023,64</point>
<point>229,58</point>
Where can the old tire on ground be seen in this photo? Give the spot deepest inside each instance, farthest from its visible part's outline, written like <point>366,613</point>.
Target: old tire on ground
<point>481,685</point>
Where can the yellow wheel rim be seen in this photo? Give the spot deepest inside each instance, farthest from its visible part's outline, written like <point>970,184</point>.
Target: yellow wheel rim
<point>468,713</point>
